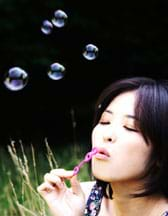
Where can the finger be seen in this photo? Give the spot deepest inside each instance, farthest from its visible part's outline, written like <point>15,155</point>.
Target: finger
<point>76,187</point>
<point>45,188</point>
<point>62,173</point>
<point>54,180</point>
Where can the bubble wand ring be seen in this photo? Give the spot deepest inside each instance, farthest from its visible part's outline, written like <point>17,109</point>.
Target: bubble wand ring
<point>87,158</point>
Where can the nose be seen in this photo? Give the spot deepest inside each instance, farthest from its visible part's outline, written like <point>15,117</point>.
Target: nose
<point>109,136</point>
<point>103,135</point>
<point>107,139</point>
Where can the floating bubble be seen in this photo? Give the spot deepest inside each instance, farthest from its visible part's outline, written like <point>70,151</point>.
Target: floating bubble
<point>90,52</point>
<point>60,18</point>
<point>46,27</point>
<point>16,79</point>
<point>56,72</point>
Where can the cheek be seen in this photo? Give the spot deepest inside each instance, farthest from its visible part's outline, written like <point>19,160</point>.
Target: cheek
<point>132,158</point>
<point>135,148</point>
<point>96,136</point>
<point>141,148</point>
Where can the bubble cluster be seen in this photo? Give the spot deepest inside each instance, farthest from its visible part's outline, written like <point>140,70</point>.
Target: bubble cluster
<point>59,20</point>
<point>16,79</point>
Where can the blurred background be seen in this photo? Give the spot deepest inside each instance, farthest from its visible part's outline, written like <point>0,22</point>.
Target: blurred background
<point>132,40</point>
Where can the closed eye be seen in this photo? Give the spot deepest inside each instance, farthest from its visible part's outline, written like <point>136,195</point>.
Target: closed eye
<point>104,123</point>
<point>130,129</point>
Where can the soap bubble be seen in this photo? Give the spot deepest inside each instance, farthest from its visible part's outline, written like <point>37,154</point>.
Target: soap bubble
<point>90,52</point>
<point>46,27</point>
<point>56,72</point>
<point>16,79</point>
<point>60,18</point>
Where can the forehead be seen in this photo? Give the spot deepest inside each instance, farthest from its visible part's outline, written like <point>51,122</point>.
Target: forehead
<point>124,103</point>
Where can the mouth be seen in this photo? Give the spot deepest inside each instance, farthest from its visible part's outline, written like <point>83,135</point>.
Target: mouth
<point>102,154</point>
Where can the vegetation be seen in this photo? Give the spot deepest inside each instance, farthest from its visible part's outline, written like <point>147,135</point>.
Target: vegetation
<point>22,170</point>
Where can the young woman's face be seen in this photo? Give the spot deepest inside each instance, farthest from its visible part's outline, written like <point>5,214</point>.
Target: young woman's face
<point>123,151</point>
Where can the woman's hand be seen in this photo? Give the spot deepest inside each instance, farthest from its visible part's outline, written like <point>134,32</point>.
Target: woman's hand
<point>62,200</point>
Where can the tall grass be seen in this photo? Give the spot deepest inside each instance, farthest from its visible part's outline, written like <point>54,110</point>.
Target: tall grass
<point>22,170</point>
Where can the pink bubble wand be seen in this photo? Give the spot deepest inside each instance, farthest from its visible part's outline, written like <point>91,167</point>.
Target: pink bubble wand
<point>87,158</point>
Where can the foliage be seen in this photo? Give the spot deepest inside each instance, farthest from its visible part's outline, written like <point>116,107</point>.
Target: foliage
<point>22,170</point>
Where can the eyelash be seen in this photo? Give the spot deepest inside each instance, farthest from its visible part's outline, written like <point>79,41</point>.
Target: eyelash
<point>104,123</point>
<point>127,128</point>
<point>130,129</point>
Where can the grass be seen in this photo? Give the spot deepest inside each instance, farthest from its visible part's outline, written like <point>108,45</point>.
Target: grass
<point>22,170</point>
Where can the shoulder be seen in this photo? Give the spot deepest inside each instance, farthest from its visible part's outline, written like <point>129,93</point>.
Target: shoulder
<point>87,187</point>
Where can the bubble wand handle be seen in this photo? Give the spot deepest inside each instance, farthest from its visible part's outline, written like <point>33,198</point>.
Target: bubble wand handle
<point>87,158</point>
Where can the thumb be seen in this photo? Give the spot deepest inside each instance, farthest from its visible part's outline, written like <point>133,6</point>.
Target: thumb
<point>76,187</point>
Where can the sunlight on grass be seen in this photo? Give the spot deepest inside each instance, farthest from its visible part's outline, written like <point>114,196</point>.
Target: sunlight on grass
<point>22,170</point>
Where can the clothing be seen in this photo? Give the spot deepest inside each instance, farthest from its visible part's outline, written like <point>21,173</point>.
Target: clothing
<point>94,202</point>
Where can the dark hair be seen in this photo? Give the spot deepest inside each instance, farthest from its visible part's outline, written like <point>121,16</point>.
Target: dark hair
<point>151,109</point>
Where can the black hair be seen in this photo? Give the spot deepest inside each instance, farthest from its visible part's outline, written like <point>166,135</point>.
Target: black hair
<point>151,109</point>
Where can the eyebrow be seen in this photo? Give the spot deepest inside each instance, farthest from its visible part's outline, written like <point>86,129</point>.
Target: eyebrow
<point>128,116</point>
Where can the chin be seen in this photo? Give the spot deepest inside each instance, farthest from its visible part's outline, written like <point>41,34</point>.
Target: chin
<point>103,176</point>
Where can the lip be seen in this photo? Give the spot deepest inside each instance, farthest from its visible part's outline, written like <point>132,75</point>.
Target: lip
<point>102,154</point>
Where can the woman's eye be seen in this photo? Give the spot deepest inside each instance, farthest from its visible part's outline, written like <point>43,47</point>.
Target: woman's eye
<point>130,129</point>
<point>104,122</point>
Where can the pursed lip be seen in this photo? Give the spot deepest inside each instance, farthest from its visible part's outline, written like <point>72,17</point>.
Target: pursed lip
<point>102,153</point>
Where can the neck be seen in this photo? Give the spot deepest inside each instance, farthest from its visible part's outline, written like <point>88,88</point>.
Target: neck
<point>125,205</point>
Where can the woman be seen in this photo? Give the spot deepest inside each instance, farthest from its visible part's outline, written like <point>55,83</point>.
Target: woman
<point>131,134</point>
